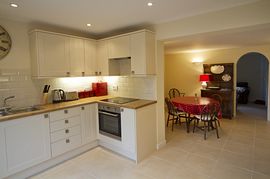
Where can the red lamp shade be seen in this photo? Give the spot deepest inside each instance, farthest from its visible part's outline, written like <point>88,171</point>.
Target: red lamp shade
<point>204,77</point>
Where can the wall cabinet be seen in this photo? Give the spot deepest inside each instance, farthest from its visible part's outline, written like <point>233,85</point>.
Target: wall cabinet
<point>102,58</point>
<point>142,46</point>
<point>90,57</point>
<point>119,47</point>
<point>59,55</point>
<point>26,143</point>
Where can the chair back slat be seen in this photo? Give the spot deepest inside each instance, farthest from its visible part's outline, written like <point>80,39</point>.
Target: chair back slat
<point>170,106</point>
<point>173,92</point>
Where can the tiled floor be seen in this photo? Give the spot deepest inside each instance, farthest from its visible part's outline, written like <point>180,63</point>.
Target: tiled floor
<point>242,152</point>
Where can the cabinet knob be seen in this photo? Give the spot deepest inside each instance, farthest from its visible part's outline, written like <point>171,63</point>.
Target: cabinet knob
<point>82,107</point>
<point>133,72</point>
<point>83,73</point>
<point>96,73</point>
<point>67,141</point>
<point>68,73</point>
<point>46,115</point>
<point>65,111</point>
<point>66,121</point>
<point>99,73</point>
<point>66,131</point>
<point>122,110</point>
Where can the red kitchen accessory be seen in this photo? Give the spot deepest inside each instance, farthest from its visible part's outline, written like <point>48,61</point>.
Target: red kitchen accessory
<point>100,88</point>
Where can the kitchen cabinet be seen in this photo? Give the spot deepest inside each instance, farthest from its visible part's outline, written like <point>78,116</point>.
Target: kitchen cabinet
<point>49,54</point>
<point>60,55</point>
<point>90,57</point>
<point>138,129</point>
<point>142,50</point>
<point>26,142</point>
<point>102,58</point>
<point>76,57</point>
<point>119,47</point>
<point>65,130</point>
<point>89,123</point>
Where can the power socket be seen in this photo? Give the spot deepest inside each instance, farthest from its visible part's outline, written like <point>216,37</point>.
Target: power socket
<point>115,88</point>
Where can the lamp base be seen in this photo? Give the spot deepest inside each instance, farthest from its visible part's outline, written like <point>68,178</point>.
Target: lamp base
<point>204,85</point>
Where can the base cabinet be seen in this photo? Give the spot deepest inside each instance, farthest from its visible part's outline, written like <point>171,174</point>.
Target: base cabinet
<point>139,137</point>
<point>89,123</point>
<point>27,143</point>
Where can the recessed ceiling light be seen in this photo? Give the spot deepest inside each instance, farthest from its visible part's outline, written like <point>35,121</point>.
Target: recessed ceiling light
<point>14,5</point>
<point>89,25</point>
<point>149,4</point>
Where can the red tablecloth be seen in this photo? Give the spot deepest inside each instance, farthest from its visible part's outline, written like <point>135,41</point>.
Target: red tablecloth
<point>194,105</point>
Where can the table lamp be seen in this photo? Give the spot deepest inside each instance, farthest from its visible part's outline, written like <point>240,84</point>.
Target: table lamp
<point>204,78</point>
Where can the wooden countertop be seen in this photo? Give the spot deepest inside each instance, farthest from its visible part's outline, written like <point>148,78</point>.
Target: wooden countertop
<point>57,106</point>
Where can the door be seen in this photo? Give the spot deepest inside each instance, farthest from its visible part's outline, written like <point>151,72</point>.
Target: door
<point>76,51</point>
<point>53,55</point>
<point>119,47</point>
<point>27,142</point>
<point>102,58</point>
<point>89,123</point>
<point>90,57</point>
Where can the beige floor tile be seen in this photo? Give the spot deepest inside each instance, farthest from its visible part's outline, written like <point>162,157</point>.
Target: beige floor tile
<point>223,171</point>
<point>260,176</point>
<point>186,173</point>
<point>234,159</point>
<point>240,148</point>
<point>206,151</point>
<point>262,167</point>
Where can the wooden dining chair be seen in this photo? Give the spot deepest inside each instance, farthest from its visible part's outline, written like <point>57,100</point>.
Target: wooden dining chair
<point>218,98</point>
<point>173,114</point>
<point>208,116</point>
<point>173,92</point>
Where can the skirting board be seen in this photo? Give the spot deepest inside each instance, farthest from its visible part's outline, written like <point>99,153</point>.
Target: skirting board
<point>161,144</point>
<point>53,162</point>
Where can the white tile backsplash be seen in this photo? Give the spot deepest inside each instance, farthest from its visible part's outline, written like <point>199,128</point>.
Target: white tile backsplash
<point>28,91</point>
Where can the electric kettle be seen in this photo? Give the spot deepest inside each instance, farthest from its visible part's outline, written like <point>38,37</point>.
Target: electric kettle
<point>58,95</point>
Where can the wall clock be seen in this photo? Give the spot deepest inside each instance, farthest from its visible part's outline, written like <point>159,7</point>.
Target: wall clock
<point>5,42</point>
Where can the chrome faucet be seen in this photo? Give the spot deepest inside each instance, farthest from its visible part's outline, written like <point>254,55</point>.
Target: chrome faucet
<point>7,98</point>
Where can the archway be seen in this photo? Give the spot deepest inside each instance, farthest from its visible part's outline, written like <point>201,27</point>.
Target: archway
<point>252,80</point>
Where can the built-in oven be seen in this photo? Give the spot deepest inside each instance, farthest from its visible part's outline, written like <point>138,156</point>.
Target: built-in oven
<point>109,121</point>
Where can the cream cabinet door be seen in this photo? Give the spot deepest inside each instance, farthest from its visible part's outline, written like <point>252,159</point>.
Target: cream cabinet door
<point>53,55</point>
<point>142,49</point>
<point>89,123</point>
<point>128,129</point>
<point>76,56</point>
<point>119,47</point>
<point>102,58</point>
<point>90,57</point>
<point>27,142</point>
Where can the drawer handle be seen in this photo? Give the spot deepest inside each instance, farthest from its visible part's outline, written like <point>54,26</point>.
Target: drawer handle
<point>82,107</point>
<point>133,72</point>
<point>66,121</point>
<point>96,73</point>
<point>46,115</point>
<point>100,73</point>
<point>67,141</point>
<point>83,73</point>
<point>65,111</point>
<point>68,73</point>
<point>67,131</point>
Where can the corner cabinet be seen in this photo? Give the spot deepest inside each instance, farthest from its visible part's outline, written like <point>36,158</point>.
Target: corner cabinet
<point>25,142</point>
<point>60,55</point>
<point>102,58</point>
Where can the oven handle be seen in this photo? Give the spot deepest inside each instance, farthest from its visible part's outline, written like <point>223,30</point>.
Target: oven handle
<point>109,114</point>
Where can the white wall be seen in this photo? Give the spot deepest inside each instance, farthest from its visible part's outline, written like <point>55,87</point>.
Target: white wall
<point>252,68</point>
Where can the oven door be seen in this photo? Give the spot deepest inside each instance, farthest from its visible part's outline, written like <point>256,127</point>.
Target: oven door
<point>110,124</point>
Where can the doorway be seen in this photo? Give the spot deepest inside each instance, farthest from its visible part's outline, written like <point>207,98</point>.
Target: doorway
<point>252,83</point>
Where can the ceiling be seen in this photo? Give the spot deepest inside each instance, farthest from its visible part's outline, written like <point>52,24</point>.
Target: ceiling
<point>107,16</point>
<point>234,38</point>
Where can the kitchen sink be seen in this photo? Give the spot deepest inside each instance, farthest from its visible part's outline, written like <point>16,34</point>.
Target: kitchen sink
<point>19,110</point>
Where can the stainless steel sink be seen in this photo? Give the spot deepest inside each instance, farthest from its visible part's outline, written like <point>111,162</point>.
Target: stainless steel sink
<point>23,109</point>
<point>18,110</point>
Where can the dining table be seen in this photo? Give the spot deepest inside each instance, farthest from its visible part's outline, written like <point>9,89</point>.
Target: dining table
<point>193,105</point>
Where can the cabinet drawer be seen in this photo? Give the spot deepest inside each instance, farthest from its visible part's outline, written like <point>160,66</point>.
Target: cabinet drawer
<point>66,145</point>
<point>64,113</point>
<point>65,133</point>
<point>65,123</point>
